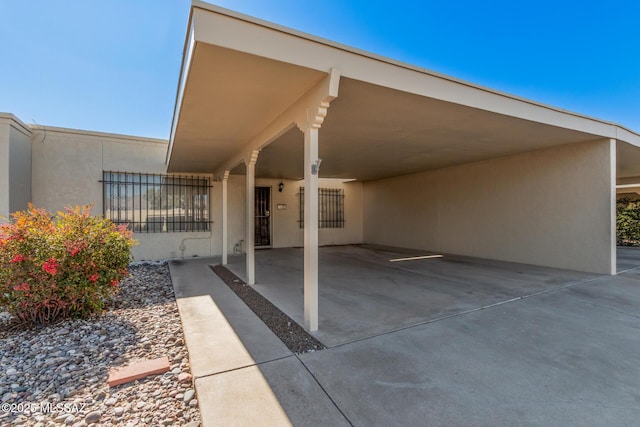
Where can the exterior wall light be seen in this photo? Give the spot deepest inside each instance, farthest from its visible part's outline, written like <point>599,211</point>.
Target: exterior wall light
<point>281,186</point>
<point>315,168</point>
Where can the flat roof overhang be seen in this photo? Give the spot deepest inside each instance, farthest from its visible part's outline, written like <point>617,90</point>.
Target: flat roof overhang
<point>240,75</point>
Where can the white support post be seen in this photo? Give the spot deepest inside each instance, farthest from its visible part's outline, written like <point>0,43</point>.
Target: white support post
<point>613,252</point>
<point>310,125</point>
<point>249,236</point>
<point>225,222</point>
<point>311,228</point>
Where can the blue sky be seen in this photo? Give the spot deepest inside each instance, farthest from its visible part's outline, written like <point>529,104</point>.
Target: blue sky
<point>113,65</point>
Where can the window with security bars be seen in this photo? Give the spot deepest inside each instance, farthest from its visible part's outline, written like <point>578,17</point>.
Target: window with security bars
<point>151,203</point>
<point>330,208</point>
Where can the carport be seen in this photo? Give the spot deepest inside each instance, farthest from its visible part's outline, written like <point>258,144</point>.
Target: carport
<point>368,290</point>
<point>446,165</point>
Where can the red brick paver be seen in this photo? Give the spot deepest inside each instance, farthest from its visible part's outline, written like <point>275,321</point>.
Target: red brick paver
<point>138,370</point>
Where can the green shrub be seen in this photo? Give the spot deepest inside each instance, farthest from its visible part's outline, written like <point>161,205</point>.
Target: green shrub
<point>52,267</point>
<point>628,222</point>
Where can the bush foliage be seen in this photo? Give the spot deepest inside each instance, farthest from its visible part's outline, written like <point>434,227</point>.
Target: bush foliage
<point>628,222</point>
<point>67,265</point>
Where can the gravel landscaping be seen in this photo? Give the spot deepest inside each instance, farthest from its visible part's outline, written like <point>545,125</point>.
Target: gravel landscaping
<point>290,333</point>
<point>57,375</point>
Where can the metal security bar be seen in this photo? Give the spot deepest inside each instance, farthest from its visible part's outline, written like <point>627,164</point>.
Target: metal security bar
<point>152,203</point>
<point>330,208</point>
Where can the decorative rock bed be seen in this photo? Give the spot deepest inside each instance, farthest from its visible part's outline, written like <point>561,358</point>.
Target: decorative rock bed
<point>58,374</point>
<point>290,333</point>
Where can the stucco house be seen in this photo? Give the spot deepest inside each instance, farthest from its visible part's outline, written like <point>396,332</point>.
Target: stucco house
<point>283,139</point>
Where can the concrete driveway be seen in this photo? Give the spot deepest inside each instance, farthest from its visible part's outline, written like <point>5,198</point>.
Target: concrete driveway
<point>628,258</point>
<point>367,290</point>
<point>552,348</point>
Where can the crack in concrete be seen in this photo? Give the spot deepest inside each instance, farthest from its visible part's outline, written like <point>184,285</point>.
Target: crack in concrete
<point>242,367</point>
<point>324,390</point>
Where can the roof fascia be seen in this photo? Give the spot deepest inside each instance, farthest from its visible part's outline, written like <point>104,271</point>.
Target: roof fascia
<point>233,30</point>
<point>102,135</point>
<point>187,55</point>
<point>16,123</point>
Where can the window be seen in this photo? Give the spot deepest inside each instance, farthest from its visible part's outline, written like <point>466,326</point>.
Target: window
<point>152,203</point>
<point>330,207</point>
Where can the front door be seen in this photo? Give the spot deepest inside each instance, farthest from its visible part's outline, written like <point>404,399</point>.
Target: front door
<point>263,217</point>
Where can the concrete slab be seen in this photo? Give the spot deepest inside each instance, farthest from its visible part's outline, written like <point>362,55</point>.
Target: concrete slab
<point>552,360</point>
<point>627,258</point>
<point>243,373</point>
<point>221,332</point>
<point>631,274</point>
<point>241,397</point>
<point>563,356</point>
<point>620,293</point>
<point>277,393</point>
<point>363,293</point>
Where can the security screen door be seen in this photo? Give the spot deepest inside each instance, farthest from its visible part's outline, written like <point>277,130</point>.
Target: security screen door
<point>263,217</point>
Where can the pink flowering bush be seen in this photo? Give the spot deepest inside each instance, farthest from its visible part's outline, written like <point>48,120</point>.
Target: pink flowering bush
<point>52,267</point>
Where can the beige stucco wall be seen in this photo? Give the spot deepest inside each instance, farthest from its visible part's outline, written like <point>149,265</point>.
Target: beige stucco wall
<point>68,165</point>
<point>4,172</point>
<point>15,165</point>
<point>515,208</point>
<point>67,169</point>
<point>19,169</point>
<point>285,228</point>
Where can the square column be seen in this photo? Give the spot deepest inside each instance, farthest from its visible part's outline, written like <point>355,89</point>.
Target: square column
<point>311,168</point>
<point>249,237</point>
<point>225,222</point>
<point>613,172</point>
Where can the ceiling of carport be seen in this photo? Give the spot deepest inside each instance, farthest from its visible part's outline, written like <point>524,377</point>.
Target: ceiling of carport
<point>628,160</point>
<point>372,132</point>
<point>229,97</point>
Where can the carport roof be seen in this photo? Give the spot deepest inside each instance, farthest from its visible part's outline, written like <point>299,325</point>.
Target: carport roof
<point>240,74</point>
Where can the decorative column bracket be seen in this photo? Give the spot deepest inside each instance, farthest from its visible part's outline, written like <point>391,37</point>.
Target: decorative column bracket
<point>317,102</point>
<point>251,158</point>
<point>310,107</point>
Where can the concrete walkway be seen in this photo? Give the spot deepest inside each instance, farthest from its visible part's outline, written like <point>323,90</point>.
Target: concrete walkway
<point>243,373</point>
<point>565,356</point>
